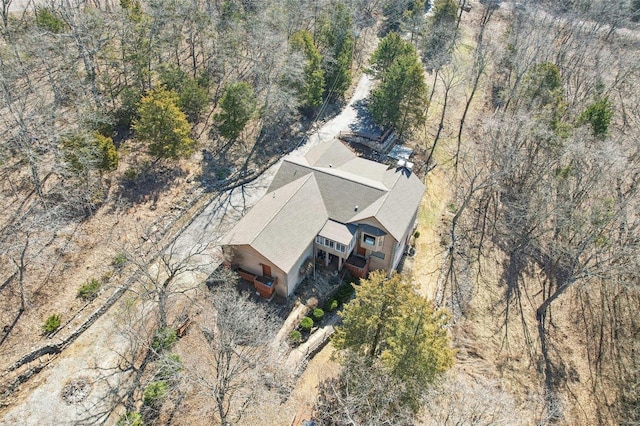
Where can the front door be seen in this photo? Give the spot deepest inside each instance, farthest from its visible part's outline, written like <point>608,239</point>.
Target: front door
<point>266,270</point>
<point>362,251</point>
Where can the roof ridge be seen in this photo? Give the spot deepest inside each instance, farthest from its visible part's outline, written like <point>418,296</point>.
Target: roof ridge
<point>278,210</point>
<point>386,195</point>
<point>324,170</point>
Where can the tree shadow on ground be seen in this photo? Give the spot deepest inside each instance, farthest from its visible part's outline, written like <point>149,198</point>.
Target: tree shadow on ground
<point>147,182</point>
<point>364,123</point>
<point>215,169</point>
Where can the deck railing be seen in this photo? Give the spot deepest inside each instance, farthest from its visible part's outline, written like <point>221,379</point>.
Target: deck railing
<point>353,264</point>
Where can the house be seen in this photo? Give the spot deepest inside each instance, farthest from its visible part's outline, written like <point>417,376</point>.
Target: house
<point>330,206</point>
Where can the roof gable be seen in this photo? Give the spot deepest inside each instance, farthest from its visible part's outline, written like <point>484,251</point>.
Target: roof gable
<point>282,224</point>
<point>330,154</point>
<point>357,188</point>
<point>329,183</point>
<point>401,203</point>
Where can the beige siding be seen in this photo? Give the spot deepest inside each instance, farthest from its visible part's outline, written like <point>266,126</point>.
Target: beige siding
<point>386,248</point>
<point>250,260</point>
<point>294,276</point>
<point>403,242</point>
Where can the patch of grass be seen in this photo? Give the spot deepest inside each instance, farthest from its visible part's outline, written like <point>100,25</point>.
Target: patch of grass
<point>130,419</point>
<point>155,393</point>
<point>51,324</point>
<point>164,339</point>
<point>89,290</point>
<point>119,261</point>
<point>131,174</point>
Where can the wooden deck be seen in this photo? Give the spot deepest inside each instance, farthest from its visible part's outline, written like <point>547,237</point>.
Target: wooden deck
<point>358,266</point>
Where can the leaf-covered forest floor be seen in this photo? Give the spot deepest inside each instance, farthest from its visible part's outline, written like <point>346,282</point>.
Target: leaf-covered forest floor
<point>492,348</point>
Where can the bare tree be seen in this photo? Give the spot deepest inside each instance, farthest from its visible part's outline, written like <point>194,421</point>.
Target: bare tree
<point>450,78</point>
<point>458,400</point>
<point>169,275</point>
<point>362,394</point>
<point>238,337</point>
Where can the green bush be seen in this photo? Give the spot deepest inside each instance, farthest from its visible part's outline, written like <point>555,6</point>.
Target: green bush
<point>130,419</point>
<point>131,174</point>
<point>331,305</point>
<point>344,293</point>
<point>306,324</point>
<point>318,314</point>
<point>47,20</point>
<point>170,367</point>
<point>128,111</point>
<point>119,261</point>
<point>51,324</point>
<point>155,393</point>
<point>416,235</point>
<point>164,339</point>
<point>89,290</point>
<point>295,337</point>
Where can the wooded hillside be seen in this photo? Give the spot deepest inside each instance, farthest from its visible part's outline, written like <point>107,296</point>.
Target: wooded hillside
<point>118,117</point>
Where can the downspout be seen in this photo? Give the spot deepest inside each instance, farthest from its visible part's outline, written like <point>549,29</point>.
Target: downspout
<point>393,260</point>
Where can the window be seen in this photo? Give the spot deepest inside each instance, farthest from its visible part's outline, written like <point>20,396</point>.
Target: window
<point>319,239</point>
<point>340,247</point>
<point>368,239</point>
<point>328,243</point>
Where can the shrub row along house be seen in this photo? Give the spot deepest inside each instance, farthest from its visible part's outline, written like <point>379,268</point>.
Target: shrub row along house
<point>329,206</point>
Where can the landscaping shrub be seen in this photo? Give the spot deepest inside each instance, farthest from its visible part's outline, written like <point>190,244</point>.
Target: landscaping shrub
<point>318,314</point>
<point>130,419</point>
<point>331,305</point>
<point>51,324</point>
<point>164,339</point>
<point>306,324</point>
<point>89,290</point>
<point>295,337</point>
<point>344,293</point>
<point>155,393</point>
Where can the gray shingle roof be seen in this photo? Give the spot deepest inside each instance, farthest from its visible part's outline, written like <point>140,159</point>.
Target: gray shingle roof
<point>397,208</point>
<point>333,153</point>
<point>306,192</point>
<point>283,223</point>
<point>338,232</point>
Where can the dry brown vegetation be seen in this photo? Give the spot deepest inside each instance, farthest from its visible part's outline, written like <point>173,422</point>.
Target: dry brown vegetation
<point>528,229</point>
<point>537,272</point>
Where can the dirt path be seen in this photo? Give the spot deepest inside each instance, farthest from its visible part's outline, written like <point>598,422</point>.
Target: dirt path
<point>94,356</point>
